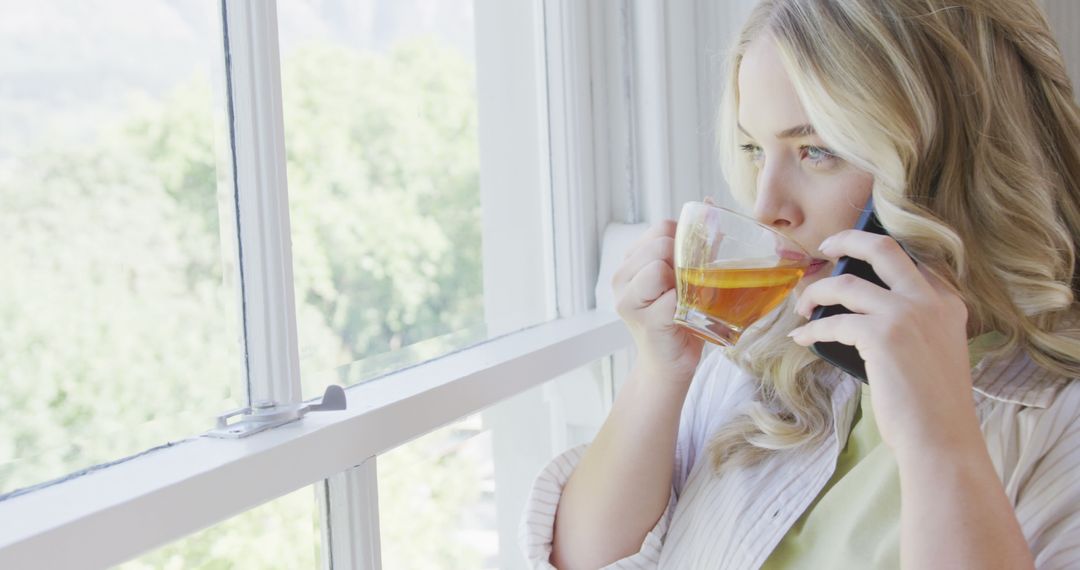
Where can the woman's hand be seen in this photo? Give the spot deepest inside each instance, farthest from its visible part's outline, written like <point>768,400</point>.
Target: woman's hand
<point>633,454</point>
<point>912,336</point>
<point>644,288</point>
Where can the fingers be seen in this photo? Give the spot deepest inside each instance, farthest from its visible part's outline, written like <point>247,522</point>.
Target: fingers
<point>656,243</point>
<point>662,310</point>
<point>888,259</point>
<point>660,229</point>
<point>650,283</point>
<point>858,295</point>
<point>846,329</point>
<point>660,248</point>
<point>644,283</point>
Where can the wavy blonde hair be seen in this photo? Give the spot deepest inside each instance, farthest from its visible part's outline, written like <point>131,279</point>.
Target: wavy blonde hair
<point>963,113</point>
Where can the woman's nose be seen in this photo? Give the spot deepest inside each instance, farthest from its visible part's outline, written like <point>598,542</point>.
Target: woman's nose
<point>776,205</point>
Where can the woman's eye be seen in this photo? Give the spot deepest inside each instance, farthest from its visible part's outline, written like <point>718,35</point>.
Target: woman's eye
<point>817,155</point>
<point>753,151</point>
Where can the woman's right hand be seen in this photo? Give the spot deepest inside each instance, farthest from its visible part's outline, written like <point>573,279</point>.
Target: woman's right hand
<point>644,286</point>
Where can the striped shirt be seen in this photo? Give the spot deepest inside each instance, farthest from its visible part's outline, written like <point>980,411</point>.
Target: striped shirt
<point>734,520</point>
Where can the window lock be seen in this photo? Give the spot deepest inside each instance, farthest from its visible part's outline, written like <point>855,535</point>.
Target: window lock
<point>266,415</point>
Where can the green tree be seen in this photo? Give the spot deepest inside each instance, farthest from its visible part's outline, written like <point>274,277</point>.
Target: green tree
<point>119,315</point>
<point>383,178</point>
<point>117,331</point>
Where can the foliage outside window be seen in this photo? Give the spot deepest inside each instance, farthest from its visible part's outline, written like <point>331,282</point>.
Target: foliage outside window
<point>113,242</point>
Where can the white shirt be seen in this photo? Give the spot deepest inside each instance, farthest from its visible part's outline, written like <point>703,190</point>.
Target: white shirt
<point>734,521</point>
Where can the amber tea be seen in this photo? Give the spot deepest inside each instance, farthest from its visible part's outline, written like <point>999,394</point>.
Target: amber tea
<point>730,271</point>
<point>733,293</point>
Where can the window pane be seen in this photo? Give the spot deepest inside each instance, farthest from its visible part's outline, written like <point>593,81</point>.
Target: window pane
<point>453,498</point>
<point>381,136</point>
<point>282,534</point>
<point>119,327</point>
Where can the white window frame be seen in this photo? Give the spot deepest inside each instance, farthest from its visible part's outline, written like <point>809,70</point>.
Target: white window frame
<point>579,156</point>
<point>113,514</point>
<point>268,308</point>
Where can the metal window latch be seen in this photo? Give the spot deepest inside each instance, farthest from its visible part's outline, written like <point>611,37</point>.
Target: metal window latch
<point>265,415</point>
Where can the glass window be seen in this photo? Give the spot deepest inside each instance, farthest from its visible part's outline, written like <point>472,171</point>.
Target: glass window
<point>437,502</point>
<point>118,307</point>
<point>454,497</point>
<point>381,140</point>
<point>284,534</point>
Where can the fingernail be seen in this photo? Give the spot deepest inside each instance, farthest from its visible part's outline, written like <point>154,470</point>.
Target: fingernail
<point>825,244</point>
<point>794,332</point>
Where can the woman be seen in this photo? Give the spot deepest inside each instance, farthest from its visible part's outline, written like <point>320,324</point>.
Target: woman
<point>958,118</point>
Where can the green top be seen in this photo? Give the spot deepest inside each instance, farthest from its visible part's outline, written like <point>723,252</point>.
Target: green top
<point>855,520</point>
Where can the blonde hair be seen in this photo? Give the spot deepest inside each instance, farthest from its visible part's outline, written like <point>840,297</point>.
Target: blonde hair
<point>963,113</point>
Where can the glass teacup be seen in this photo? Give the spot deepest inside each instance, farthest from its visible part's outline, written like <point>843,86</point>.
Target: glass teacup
<point>730,271</point>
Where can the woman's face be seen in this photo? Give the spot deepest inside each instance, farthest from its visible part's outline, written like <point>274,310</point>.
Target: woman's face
<point>803,190</point>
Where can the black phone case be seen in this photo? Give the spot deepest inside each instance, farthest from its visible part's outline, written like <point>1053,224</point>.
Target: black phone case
<point>841,355</point>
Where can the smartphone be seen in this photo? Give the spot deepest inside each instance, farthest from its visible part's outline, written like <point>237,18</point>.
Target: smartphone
<point>838,354</point>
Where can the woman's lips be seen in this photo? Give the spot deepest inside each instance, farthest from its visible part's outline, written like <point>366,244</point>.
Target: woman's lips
<point>815,266</point>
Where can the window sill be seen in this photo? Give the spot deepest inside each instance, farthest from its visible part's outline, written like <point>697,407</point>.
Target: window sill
<point>111,515</point>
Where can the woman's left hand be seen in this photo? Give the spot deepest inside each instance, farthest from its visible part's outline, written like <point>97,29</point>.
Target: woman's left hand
<point>912,336</point>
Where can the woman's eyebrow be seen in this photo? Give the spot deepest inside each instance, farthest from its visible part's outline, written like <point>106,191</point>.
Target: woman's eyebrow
<point>796,132</point>
<point>789,133</point>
